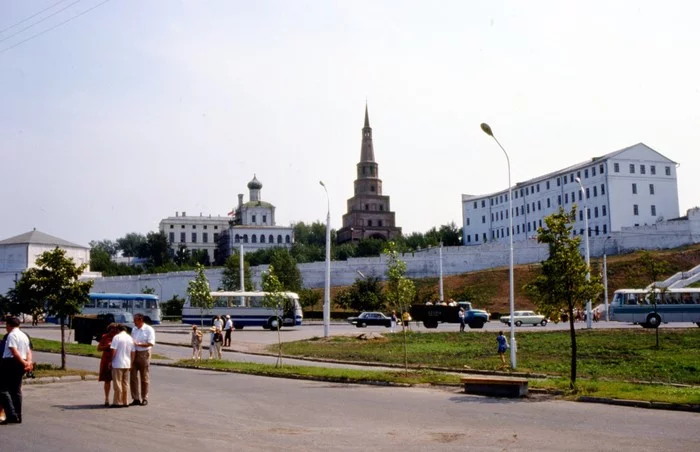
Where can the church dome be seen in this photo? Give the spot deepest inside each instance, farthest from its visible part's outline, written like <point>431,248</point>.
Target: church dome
<point>254,184</point>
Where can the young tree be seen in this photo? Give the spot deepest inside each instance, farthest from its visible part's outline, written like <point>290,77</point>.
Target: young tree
<point>562,282</point>
<point>231,275</point>
<point>400,291</point>
<point>365,294</point>
<point>275,299</point>
<point>23,299</point>
<point>55,281</point>
<point>199,292</point>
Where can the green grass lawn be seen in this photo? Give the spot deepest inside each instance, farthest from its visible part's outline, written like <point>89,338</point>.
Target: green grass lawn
<point>49,370</point>
<point>628,354</point>
<point>45,345</point>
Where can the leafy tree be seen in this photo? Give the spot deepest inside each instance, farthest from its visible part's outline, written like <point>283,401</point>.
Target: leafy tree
<point>173,307</point>
<point>309,298</point>
<point>108,246</point>
<point>450,234</point>
<point>148,290</point>
<point>399,290</point>
<point>343,252</point>
<point>182,255</point>
<point>654,268</point>
<point>23,299</point>
<point>100,260</point>
<point>201,257</point>
<point>275,299</point>
<point>562,284</point>
<point>286,269</point>
<point>199,292</point>
<point>231,275</point>
<point>131,243</point>
<point>156,249</point>
<point>370,247</point>
<point>55,280</point>
<point>365,294</point>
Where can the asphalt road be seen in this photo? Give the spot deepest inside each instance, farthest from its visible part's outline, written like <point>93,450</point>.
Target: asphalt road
<point>193,409</point>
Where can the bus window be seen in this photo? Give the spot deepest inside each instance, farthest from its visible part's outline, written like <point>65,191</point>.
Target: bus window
<point>138,304</point>
<point>151,304</point>
<point>695,298</point>
<point>631,299</point>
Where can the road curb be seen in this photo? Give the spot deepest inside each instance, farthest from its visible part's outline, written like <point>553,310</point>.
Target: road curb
<point>64,379</point>
<point>640,404</point>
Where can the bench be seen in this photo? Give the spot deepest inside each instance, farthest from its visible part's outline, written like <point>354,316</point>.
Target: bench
<point>495,385</point>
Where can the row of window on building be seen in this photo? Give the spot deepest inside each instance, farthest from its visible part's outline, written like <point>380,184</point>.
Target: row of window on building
<point>570,178</point>
<point>194,226</point>
<point>183,237</point>
<point>243,238</point>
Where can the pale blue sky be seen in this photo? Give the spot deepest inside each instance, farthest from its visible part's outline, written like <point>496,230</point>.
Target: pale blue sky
<point>141,108</point>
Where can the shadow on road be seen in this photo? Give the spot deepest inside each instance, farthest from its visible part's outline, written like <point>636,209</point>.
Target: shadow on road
<point>485,400</point>
<point>81,407</point>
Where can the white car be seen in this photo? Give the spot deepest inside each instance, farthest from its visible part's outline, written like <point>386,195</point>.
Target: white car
<point>525,317</point>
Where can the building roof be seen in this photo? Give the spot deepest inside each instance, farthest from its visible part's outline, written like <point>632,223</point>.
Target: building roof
<point>257,204</point>
<point>35,237</point>
<point>571,168</point>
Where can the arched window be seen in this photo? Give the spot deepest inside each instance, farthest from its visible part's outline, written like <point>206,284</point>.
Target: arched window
<point>369,222</point>
<point>245,238</point>
<point>262,238</point>
<point>253,238</point>
<point>271,239</point>
<point>288,239</point>
<point>237,239</point>
<point>279,239</point>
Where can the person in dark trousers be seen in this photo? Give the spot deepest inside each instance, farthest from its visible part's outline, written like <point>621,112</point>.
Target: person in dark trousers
<point>228,327</point>
<point>16,360</point>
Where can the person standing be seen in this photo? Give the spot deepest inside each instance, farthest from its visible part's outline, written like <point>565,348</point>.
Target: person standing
<point>461,320</point>
<point>502,347</point>
<point>227,331</point>
<point>106,360</point>
<point>218,323</point>
<point>196,342</point>
<point>394,319</point>
<point>216,341</point>
<point>16,360</point>
<point>123,353</point>
<point>144,339</point>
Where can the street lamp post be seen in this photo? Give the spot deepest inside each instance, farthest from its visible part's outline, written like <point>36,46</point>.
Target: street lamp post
<point>327,295</point>
<point>441,292</point>
<point>589,322</point>
<point>605,277</point>
<point>513,347</point>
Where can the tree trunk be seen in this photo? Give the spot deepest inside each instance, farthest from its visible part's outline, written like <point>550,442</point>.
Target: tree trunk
<point>279,344</point>
<point>572,333</point>
<point>63,345</point>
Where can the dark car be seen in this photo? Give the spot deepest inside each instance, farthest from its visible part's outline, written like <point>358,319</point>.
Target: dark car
<point>370,318</point>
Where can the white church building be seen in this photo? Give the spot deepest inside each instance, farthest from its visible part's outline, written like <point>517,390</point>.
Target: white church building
<point>634,186</point>
<point>251,224</point>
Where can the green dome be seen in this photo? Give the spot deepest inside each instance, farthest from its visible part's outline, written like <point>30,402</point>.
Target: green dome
<point>254,184</point>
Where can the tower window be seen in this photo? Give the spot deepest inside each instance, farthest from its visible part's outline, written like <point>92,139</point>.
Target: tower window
<point>371,188</point>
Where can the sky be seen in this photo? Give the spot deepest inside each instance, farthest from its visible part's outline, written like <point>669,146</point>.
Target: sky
<point>138,109</point>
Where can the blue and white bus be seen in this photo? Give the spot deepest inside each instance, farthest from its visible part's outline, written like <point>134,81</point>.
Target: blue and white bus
<point>672,305</point>
<point>246,309</point>
<point>116,303</point>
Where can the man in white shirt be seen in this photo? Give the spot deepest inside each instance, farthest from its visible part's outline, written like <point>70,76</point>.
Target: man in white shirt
<point>227,331</point>
<point>144,339</point>
<point>123,356</point>
<point>16,360</point>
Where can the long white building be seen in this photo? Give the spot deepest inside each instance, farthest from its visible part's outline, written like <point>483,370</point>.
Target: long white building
<point>634,186</point>
<point>251,224</point>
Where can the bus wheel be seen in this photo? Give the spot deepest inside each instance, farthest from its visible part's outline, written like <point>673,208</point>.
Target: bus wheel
<point>237,327</point>
<point>430,323</point>
<point>477,324</point>
<point>273,322</point>
<point>653,321</point>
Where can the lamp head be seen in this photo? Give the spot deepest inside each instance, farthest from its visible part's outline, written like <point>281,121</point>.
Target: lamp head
<point>578,179</point>
<point>487,129</point>
<point>322,184</point>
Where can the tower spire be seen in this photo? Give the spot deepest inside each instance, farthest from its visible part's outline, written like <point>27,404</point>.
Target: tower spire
<point>367,151</point>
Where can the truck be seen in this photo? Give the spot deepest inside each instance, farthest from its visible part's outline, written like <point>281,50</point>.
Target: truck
<point>92,326</point>
<point>431,315</point>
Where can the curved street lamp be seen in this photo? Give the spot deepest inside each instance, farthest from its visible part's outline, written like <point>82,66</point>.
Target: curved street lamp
<point>327,295</point>
<point>487,130</point>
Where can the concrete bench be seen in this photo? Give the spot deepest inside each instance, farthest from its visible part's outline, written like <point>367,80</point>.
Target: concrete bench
<point>495,385</point>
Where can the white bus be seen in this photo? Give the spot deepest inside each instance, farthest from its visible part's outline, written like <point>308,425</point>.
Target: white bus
<point>118,303</point>
<point>672,305</point>
<point>246,309</point>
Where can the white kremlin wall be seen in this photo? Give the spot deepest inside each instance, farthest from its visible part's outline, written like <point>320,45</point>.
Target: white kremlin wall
<point>456,260</point>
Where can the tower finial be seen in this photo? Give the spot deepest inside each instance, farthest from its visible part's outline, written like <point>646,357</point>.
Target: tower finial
<point>366,114</point>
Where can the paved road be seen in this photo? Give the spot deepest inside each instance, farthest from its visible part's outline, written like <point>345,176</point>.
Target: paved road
<point>193,409</point>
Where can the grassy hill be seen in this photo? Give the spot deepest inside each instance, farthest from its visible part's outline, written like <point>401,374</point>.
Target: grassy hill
<point>489,289</point>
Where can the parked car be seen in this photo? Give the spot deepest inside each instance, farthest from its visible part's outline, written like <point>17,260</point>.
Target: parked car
<point>525,317</point>
<point>370,318</point>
